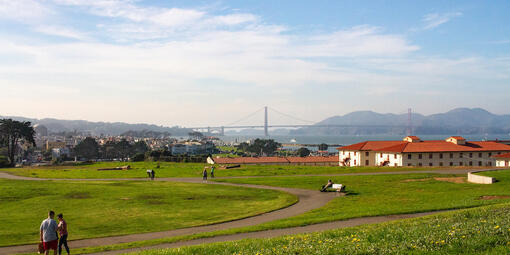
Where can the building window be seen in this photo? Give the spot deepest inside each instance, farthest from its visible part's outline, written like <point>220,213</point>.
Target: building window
<point>470,163</point>
<point>440,163</point>
<point>395,156</point>
<point>430,164</point>
<point>419,164</point>
<point>440,155</point>
<point>409,156</point>
<point>343,152</point>
<point>380,154</point>
<point>430,155</point>
<point>470,155</point>
<point>451,163</point>
<point>354,162</point>
<point>354,153</point>
<point>367,162</point>
<point>461,155</point>
<point>480,155</point>
<point>366,153</point>
<point>460,163</point>
<point>490,163</point>
<point>479,163</point>
<point>419,156</point>
<point>490,154</point>
<point>396,164</point>
<point>409,164</point>
<point>451,155</point>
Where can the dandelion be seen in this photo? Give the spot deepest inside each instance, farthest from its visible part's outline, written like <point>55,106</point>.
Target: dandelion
<point>496,227</point>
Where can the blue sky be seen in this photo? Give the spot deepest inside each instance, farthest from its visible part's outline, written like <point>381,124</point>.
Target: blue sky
<point>212,62</point>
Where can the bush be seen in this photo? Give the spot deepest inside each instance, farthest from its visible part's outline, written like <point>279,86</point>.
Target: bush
<point>138,157</point>
<point>4,162</point>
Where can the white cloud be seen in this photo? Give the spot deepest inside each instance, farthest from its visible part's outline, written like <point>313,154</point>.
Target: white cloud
<point>61,32</point>
<point>433,20</point>
<point>25,11</point>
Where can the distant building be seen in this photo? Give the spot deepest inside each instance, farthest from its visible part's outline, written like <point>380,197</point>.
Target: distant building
<point>412,151</point>
<point>503,160</point>
<point>308,161</point>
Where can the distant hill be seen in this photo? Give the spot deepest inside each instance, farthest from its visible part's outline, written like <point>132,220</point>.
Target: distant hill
<point>456,121</point>
<point>98,128</point>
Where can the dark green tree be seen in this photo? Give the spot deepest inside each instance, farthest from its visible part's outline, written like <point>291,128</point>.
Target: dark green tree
<point>12,133</point>
<point>260,146</point>
<point>123,148</point>
<point>88,148</point>
<point>323,147</point>
<point>303,152</point>
<point>140,147</point>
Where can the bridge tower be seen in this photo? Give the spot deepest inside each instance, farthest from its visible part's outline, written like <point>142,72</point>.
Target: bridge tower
<point>266,133</point>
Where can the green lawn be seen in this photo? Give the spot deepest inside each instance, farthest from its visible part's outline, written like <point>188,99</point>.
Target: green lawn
<point>472,231</point>
<point>187,170</point>
<point>95,209</point>
<point>386,194</point>
<point>369,196</point>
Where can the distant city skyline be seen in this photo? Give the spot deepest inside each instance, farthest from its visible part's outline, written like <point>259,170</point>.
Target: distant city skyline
<point>192,63</point>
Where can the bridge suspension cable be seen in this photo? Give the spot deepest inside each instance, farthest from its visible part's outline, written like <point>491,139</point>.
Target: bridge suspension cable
<point>246,117</point>
<point>292,117</point>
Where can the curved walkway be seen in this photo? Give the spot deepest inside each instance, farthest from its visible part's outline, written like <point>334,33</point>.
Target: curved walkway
<point>308,200</point>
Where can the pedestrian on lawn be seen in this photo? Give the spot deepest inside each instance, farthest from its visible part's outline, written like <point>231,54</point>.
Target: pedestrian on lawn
<point>153,175</point>
<point>212,172</point>
<point>48,234</point>
<point>62,228</point>
<point>204,174</point>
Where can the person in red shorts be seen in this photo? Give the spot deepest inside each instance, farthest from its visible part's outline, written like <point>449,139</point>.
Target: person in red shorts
<point>48,233</point>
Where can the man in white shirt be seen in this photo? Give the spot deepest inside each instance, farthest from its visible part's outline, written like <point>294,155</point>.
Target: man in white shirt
<point>48,233</point>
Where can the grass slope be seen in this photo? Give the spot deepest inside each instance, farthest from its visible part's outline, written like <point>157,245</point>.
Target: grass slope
<point>186,170</point>
<point>95,209</point>
<point>472,231</point>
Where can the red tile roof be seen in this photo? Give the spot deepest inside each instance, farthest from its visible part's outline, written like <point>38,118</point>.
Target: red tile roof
<point>426,146</point>
<point>506,155</point>
<point>313,159</point>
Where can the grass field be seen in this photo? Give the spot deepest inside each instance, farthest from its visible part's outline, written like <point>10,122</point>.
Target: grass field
<point>472,231</point>
<point>186,170</point>
<point>388,194</point>
<point>95,209</point>
<point>369,196</point>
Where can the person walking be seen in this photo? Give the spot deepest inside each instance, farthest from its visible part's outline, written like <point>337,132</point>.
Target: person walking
<point>212,172</point>
<point>48,234</point>
<point>204,174</point>
<point>62,228</point>
<point>153,175</point>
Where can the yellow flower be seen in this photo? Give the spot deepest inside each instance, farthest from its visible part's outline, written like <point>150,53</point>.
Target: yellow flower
<point>496,227</point>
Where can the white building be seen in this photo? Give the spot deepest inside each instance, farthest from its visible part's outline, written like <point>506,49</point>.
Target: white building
<point>503,160</point>
<point>412,151</point>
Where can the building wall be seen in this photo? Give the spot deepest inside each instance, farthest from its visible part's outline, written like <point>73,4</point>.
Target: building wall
<point>355,157</point>
<point>392,159</point>
<point>449,159</point>
<point>502,162</point>
<point>427,159</point>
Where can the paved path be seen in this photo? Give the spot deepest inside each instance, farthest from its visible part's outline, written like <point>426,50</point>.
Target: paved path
<point>308,200</point>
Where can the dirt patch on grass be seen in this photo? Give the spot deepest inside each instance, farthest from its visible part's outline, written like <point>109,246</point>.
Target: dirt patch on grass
<point>493,197</point>
<point>78,195</point>
<point>441,179</point>
<point>417,180</point>
<point>451,179</point>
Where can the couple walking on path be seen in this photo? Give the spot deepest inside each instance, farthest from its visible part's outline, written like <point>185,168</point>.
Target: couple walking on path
<point>204,173</point>
<point>49,237</point>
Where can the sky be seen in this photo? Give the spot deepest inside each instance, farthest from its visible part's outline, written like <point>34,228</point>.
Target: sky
<point>200,63</point>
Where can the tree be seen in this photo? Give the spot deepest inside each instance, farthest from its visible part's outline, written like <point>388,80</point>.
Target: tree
<point>88,148</point>
<point>12,133</point>
<point>303,152</point>
<point>323,147</point>
<point>260,146</point>
<point>140,147</point>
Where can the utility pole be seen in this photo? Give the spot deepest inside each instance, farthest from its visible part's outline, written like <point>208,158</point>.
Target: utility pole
<point>266,133</point>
